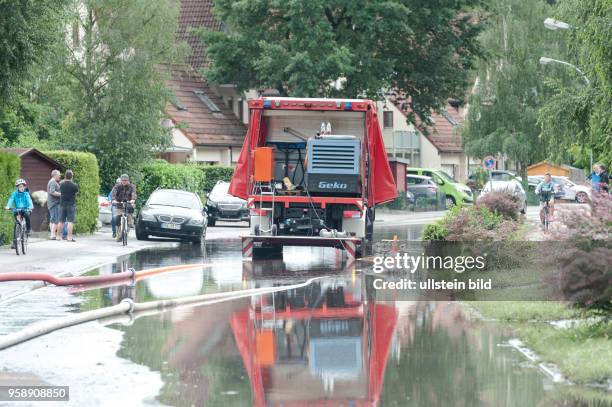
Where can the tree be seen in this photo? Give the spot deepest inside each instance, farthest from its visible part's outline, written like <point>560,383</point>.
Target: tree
<point>503,110</point>
<point>112,70</point>
<point>27,28</point>
<point>421,50</point>
<point>576,119</point>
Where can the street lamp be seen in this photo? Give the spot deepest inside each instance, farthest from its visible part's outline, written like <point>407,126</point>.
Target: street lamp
<point>555,25</point>
<point>546,61</point>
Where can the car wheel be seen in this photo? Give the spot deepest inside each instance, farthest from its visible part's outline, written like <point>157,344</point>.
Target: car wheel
<point>582,197</point>
<point>211,221</point>
<point>450,201</point>
<point>140,235</point>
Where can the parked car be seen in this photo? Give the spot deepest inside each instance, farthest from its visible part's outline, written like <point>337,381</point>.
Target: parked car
<point>500,175</point>
<point>422,186</point>
<point>534,180</point>
<point>454,191</point>
<point>223,206</point>
<point>174,214</point>
<point>513,187</point>
<point>573,191</point>
<point>104,210</point>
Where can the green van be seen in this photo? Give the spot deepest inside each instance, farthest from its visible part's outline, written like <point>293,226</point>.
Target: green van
<point>455,192</point>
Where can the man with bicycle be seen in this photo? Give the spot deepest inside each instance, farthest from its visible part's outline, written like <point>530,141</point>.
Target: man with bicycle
<point>546,191</point>
<point>124,192</point>
<point>22,202</point>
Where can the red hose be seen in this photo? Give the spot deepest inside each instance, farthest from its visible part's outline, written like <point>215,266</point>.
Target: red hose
<point>61,281</point>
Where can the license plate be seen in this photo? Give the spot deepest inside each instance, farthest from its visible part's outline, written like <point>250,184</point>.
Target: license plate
<point>229,213</point>
<point>173,226</point>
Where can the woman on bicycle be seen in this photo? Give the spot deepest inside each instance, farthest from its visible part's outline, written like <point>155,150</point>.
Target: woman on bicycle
<point>20,201</point>
<point>546,191</point>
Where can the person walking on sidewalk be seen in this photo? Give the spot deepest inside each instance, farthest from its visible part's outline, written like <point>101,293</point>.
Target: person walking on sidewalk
<point>604,179</point>
<point>20,200</point>
<point>53,203</point>
<point>68,191</point>
<point>595,178</point>
<point>113,209</point>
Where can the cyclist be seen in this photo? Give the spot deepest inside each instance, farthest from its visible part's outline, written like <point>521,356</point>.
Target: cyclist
<point>546,191</point>
<point>124,192</point>
<point>21,200</point>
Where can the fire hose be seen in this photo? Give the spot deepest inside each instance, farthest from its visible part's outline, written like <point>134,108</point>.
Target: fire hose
<point>128,306</point>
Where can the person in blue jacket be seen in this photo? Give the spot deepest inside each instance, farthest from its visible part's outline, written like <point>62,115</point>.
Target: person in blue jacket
<point>20,200</point>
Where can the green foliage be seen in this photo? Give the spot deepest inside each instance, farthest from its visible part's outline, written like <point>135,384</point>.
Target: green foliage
<point>188,177</point>
<point>214,173</point>
<point>434,232</point>
<point>415,48</point>
<point>86,175</point>
<point>576,119</point>
<point>26,30</point>
<point>10,168</point>
<point>504,109</point>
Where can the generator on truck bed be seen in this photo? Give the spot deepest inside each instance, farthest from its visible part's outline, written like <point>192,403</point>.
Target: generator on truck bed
<point>312,172</point>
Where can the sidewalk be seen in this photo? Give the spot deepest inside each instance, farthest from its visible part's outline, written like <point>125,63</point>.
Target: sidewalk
<point>65,258</point>
<point>397,218</point>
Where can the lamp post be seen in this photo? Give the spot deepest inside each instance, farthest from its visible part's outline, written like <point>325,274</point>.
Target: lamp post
<point>554,25</point>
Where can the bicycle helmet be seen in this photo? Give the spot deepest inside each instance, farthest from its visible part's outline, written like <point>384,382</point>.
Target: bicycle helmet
<point>21,181</point>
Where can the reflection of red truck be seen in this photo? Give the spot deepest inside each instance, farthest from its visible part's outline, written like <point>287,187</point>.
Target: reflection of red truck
<point>312,171</point>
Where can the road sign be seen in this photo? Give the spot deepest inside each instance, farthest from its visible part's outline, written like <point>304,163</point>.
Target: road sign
<point>488,163</point>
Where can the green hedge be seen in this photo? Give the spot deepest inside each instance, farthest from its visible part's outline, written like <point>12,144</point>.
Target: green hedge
<point>214,173</point>
<point>86,175</point>
<point>189,177</point>
<point>10,169</point>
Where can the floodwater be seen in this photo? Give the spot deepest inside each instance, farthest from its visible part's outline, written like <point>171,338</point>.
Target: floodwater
<point>330,343</point>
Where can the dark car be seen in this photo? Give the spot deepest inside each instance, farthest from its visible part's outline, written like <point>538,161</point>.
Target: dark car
<point>174,214</point>
<point>422,186</point>
<point>223,206</point>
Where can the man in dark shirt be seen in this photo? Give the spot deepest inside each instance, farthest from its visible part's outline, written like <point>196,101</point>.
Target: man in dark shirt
<point>68,191</point>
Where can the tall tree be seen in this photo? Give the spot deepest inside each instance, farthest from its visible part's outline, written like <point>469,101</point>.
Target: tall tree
<point>27,28</point>
<point>112,68</point>
<point>509,90</point>
<point>577,117</point>
<point>420,49</point>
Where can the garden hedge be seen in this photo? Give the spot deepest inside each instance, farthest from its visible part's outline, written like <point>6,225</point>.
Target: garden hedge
<point>10,169</point>
<point>86,175</point>
<point>189,177</point>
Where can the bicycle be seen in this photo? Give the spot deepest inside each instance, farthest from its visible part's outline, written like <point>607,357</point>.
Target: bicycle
<point>546,209</point>
<point>20,233</point>
<point>124,226</point>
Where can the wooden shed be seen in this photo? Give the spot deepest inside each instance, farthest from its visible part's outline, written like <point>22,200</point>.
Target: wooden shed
<point>36,170</point>
<point>560,170</point>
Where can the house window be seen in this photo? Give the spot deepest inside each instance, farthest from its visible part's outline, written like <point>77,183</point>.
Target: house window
<point>241,110</point>
<point>388,119</point>
<point>230,103</point>
<point>177,103</point>
<point>207,102</point>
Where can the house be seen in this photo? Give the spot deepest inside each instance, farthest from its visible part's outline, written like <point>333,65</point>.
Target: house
<point>36,169</point>
<point>440,148</point>
<point>207,122</point>
<point>541,168</point>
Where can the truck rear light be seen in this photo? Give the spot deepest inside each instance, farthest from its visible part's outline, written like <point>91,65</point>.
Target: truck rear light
<point>267,104</point>
<point>348,106</point>
<point>351,215</point>
<point>258,212</point>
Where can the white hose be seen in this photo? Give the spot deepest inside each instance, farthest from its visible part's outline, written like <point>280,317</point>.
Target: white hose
<point>127,306</point>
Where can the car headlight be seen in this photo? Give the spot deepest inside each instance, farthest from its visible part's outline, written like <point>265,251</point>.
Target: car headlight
<point>199,221</point>
<point>147,217</point>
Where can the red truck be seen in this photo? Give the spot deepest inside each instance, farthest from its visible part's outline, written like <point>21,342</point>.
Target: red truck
<point>312,172</point>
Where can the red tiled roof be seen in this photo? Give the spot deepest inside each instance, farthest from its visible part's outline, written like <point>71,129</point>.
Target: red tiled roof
<point>197,14</point>
<point>445,134</point>
<point>197,122</point>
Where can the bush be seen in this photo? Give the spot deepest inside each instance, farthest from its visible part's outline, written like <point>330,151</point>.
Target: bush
<point>188,177</point>
<point>10,169</point>
<point>434,232</point>
<point>214,173</point>
<point>501,203</point>
<point>86,175</point>
<point>584,260</point>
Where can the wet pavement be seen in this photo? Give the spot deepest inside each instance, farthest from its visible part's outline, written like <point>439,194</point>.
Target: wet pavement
<point>331,343</point>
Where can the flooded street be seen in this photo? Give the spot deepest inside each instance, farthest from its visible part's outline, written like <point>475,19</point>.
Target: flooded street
<point>332,342</point>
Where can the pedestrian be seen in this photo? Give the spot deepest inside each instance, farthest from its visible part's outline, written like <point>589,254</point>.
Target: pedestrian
<point>68,191</point>
<point>604,179</point>
<point>53,203</point>
<point>113,208</point>
<point>595,178</point>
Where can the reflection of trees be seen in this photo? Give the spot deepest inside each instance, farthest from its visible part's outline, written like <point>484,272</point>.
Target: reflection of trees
<point>196,356</point>
<point>450,362</point>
